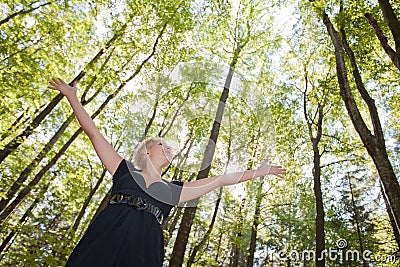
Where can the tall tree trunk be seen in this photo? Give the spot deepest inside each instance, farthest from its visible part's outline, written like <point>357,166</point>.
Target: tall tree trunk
<point>374,144</point>
<point>257,209</point>
<point>22,12</point>
<point>37,178</point>
<point>178,176</point>
<point>189,213</point>
<point>254,228</point>
<point>18,140</point>
<point>319,205</point>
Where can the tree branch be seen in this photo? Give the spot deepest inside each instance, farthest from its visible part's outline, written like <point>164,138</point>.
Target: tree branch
<point>383,40</point>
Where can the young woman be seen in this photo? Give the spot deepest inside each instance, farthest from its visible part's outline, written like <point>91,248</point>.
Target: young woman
<point>128,231</point>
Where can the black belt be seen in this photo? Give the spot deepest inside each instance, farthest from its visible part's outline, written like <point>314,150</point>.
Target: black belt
<point>139,204</point>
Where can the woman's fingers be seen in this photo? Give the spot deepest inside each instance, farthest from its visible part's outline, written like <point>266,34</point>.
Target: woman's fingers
<point>56,84</point>
<point>53,85</point>
<point>278,171</point>
<point>61,81</point>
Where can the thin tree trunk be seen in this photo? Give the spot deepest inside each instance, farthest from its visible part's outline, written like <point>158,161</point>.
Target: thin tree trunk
<point>383,40</point>
<point>21,222</point>
<point>207,235</point>
<point>172,225</point>
<point>87,200</point>
<point>357,221</point>
<point>391,219</point>
<point>102,206</point>
<point>375,147</point>
<point>74,228</point>
<point>17,123</point>
<point>319,206</point>
<point>13,126</point>
<point>394,26</point>
<point>218,246</point>
<point>189,213</point>
<point>22,12</point>
<point>392,21</point>
<point>178,176</point>
<point>235,251</point>
<point>163,133</point>
<point>254,228</point>
<point>183,159</point>
<point>257,209</point>
<point>153,116</point>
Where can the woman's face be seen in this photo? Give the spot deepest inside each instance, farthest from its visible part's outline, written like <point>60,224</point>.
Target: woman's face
<point>159,152</point>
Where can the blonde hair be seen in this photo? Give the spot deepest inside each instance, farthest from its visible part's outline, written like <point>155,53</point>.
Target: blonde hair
<point>139,154</point>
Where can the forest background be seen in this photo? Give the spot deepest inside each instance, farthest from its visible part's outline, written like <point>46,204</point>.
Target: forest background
<point>313,85</point>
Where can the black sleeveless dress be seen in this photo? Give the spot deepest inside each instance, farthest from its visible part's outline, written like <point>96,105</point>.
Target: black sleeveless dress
<point>122,235</point>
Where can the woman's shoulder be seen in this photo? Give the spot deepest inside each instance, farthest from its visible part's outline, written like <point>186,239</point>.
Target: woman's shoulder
<point>123,168</point>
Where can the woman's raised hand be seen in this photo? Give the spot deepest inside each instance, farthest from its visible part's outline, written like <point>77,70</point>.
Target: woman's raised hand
<point>268,169</point>
<point>61,86</point>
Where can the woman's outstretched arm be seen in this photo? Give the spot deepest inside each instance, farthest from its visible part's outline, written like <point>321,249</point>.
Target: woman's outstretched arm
<point>198,188</point>
<point>107,154</point>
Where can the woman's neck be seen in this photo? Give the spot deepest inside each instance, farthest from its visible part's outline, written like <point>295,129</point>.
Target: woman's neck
<point>151,174</point>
